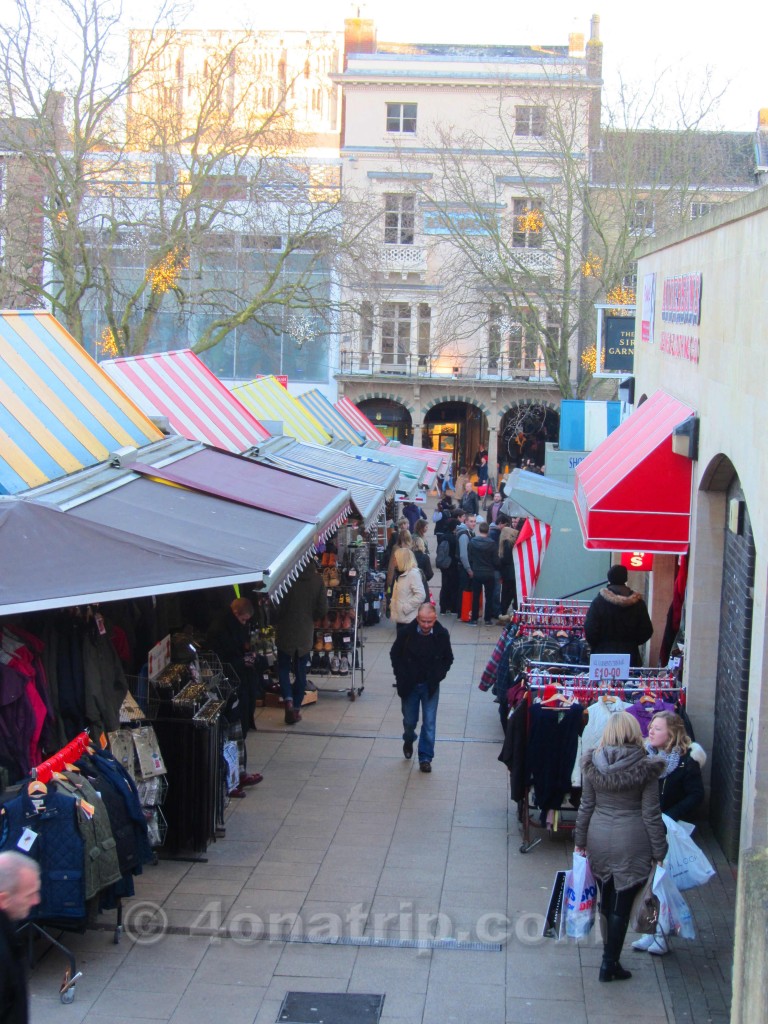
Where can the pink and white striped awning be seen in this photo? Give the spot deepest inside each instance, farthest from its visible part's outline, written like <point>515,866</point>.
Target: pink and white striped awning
<point>198,406</point>
<point>359,421</point>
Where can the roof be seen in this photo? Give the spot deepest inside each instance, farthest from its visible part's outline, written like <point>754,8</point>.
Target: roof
<point>198,406</point>
<point>359,420</point>
<point>325,412</point>
<point>267,399</point>
<point>470,51</point>
<point>689,158</point>
<point>59,411</point>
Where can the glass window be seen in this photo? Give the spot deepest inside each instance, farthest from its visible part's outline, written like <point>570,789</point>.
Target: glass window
<point>399,218</point>
<point>401,118</point>
<point>395,333</point>
<point>531,121</point>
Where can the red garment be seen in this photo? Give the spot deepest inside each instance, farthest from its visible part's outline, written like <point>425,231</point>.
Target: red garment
<point>39,715</point>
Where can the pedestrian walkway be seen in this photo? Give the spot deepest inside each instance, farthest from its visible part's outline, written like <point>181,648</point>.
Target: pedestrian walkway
<point>349,871</point>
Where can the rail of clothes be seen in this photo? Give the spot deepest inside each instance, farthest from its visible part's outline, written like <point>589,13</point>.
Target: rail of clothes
<point>555,718</point>
<point>80,817</point>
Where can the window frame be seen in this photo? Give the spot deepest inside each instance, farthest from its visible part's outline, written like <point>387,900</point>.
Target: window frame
<point>531,120</point>
<point>399,219</point>
<point>400,122</point>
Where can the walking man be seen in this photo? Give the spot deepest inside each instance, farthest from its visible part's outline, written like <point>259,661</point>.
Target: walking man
<point>484,561</point>
<point>19,893</point>
<point>421,657</point>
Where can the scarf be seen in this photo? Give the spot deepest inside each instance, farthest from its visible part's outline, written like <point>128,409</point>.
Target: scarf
<point>672,759</point>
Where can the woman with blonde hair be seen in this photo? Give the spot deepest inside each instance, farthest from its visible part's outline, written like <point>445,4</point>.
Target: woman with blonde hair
<point>619,828</point>
<point>421,554</point>
<point>408,591</point>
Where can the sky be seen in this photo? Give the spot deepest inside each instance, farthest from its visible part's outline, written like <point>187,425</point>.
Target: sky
<point>639,40</point>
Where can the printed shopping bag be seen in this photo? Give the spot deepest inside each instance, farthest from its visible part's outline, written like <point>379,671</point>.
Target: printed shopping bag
<point>553,924</point>
<point>580,899</point>
<point>685,862</point>
<point>675,916</point>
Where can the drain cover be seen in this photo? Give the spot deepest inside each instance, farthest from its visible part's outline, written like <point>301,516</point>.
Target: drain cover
<point>330,1008</point>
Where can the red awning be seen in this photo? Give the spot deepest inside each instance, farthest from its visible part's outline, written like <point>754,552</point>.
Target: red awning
<point>633,493</point>
<point>242,480</point>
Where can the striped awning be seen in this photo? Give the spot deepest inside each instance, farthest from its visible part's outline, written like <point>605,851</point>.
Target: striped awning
<point>411,471</point>
<point>359,421</point>
<point>326,413</point>
<point>59,411</point>
<point>198,406</point>
<point>420,455</point>
<point>267,399</point>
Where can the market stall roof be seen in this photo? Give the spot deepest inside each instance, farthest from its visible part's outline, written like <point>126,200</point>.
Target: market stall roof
<point>179,386</point>
<point>326,413</point>
<point>359,420</point>
<point>431,463</point>
<point>267,399</point>
<point>59,411</point>
<point>370,483</point>
<point>412,471</point>
<point>239,479</point>
<point>53,559</point>
<point>437,460</point>
<point>633,492</point>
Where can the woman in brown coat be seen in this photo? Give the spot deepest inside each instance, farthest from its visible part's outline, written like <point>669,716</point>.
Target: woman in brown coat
<point>619,828</point>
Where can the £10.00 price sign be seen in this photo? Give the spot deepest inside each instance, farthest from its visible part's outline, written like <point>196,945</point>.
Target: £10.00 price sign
<point>609,668</point>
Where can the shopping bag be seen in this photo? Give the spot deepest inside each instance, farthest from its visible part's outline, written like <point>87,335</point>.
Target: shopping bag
<point>580,899</point>
<point>675,916</point>
<point>645,910</point>
<point>466,605</point>
<point>685,862</point>
<point>553,923</point>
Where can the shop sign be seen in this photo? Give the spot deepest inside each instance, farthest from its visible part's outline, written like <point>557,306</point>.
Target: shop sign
<point>681,300</point>
<point>619,344</point>
<point>637,561</point>
<point>648,313</point>
<point>282,379</point>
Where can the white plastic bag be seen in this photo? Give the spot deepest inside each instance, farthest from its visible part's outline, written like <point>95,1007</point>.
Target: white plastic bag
<point>580,899</point>
<point>675,916</point>
<point>685,862</point>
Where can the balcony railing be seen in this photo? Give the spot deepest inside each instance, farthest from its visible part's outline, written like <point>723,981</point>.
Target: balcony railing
<point>441,367</point>
<point>403,259</point>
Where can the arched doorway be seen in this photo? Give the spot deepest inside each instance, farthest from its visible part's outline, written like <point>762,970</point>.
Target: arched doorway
<point>459,428</point>
<point>390,417</point>
<point>524,432</point>
<point>734,648</point>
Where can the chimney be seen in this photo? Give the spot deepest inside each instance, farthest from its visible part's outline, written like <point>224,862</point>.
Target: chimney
<point>359,36</point>
<point>595,71</point>
<point>576,44</point>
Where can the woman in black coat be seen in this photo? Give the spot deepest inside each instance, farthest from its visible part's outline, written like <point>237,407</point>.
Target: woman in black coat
<point>618,621</point>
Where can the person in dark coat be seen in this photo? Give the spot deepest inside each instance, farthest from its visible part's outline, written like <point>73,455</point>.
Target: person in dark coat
<point>413,514</point>
<point>294,635</point>
<point>484,561</point>
<point>19,893</point>
<point>619,827</point>
<point>681,790</point>
<point>421,657</point>
<point>449,575</point>
<point>469,503</point>
<point>618,621</point>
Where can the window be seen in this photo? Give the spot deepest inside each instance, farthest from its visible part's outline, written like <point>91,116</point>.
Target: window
<point>530,121</point>
<point>642,220</point>
<point>366,334</point>
<point>401,118</point>
<point>494,337</point>
<point>424,333</point>
<point>527,225</point>
<point>395,333</point>
<point>398,218</point>
<point>700,210</point>
<point>517,328</point>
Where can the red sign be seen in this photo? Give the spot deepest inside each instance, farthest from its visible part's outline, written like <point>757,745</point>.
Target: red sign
<point>281,379</point>
<point>637,561</point>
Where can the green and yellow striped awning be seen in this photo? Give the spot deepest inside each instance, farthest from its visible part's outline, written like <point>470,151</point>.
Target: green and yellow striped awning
<point>59,411</point>
<point>267,399</point>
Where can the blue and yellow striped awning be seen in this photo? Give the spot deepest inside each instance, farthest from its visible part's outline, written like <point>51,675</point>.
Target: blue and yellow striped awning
<point>59,411</point>
<point>326,413</point>
<point>267,399</point>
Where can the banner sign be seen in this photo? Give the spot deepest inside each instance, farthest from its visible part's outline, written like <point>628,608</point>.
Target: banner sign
<point>637,561</point>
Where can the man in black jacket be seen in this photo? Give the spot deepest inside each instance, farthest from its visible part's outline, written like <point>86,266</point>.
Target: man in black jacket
<point>421,656</point>
<point>19,893</point>
<point>618,621</point>
<point>483,556</point>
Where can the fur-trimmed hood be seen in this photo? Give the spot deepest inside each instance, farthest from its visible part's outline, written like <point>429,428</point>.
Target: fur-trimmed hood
<point>613,769</point>
<point>620,595</point>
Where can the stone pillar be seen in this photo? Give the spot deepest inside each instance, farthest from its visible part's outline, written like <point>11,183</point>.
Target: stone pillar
<point>750,982</point>
<point>493,438</point>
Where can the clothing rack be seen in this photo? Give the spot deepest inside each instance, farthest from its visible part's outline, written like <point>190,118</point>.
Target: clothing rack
<point>67,755</point>
<point>579,690</point>
<point>550,616</point>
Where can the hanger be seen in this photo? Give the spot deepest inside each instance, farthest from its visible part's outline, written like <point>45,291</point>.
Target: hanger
<point>608,698</point>
<point>37,788</point>
<point>557,700</point>
<point>648,697</point>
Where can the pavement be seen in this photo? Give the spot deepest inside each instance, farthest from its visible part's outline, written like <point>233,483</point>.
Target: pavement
<point>348,871</point>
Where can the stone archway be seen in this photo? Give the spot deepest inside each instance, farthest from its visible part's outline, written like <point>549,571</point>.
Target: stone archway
<point>389,414</point>
<point>525,427</point>
<point>457,425</point>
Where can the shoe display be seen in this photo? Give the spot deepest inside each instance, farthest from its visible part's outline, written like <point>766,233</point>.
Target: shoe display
<point>335,666</point>
<point>425,767</point>
<point>343,665</point>
<point>408,750</point>
<point>314,665</point>
<point>249,780</point>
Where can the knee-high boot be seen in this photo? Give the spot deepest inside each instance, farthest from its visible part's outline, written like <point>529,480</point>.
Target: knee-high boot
<point>616,930</point>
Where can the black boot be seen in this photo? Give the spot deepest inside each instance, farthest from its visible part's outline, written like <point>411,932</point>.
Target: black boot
<point>611,969</point>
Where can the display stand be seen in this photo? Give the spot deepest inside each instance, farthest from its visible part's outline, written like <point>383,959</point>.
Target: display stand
<point>342,637</point>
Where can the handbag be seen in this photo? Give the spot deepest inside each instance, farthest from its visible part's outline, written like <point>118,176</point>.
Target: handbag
<point>645,911</point>
<point>553,922</point>
<point>685,862</point>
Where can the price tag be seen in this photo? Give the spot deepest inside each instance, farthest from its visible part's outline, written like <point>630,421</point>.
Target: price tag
<point>609,668</point>
<point>99,619</point>
<point>347,639</point>
<point>377,604</point>
<point>329,592</point>
<point>27,839</point>
<point>352,573</point>
<point>328,638</point>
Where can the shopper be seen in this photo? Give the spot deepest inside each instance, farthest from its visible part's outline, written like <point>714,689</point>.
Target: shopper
<point>421,657</point>
<point>446,560</point>
<point>681,790</point>
<point>483,556</point>
<point>495,506</point>
<point>617,621</point>
<point>295,621</point>
<point>413,513</point>
<point>619,828</point>
<point>408,590</point>
<point>507,538</point>
<point>229,636</point>
<point>421,555</point>
<point>464,533</point>
<point>19,893</point>
<point>469,503</point>
<point>402,539</point>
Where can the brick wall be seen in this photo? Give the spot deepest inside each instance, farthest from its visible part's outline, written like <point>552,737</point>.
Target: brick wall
<point>732,683</point>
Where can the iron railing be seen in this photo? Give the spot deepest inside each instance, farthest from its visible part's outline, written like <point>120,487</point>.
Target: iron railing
<point>442,367</point>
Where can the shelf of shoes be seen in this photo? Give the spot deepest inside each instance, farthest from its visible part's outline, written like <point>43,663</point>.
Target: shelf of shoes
<point>338,644</point>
